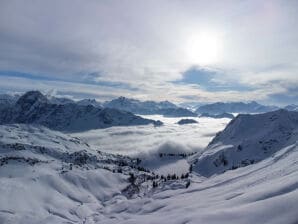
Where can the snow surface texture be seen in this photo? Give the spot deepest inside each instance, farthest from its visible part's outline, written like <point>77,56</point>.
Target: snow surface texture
<point>35,108</point>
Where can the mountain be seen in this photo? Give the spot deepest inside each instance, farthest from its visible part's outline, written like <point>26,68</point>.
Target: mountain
<point>176,112</point>
<point>86,102</point>
<point>234,107</point>
<point>35,108</point>
<point>223,115</point>
<point>292,107</point>
<point>192,106</point>
<point>248,139</point>
<point>187,121</point>
<point>165,108</point>
<point>7,100</point>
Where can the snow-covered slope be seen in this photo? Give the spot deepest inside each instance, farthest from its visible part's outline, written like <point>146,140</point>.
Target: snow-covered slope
<point>149,107</point>
<point>50,177</point>
<point>266,192</point>
<point>248,139</point>
<point>234,107</point>
<point>34,108</point>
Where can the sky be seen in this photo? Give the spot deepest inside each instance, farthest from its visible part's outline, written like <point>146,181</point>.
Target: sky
<point>177,50</point>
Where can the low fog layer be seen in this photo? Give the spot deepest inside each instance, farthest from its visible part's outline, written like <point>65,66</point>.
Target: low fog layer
<point>149,140</point>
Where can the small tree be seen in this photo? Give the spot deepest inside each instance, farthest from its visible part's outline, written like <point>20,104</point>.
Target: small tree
<point>190,168</point>
<point>154,184</point>
<point>132,178</point>
<point>187,184</point>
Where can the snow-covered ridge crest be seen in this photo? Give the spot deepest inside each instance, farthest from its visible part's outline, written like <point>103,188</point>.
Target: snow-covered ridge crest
<point>248,139</point>
<point>165,108</point>
<point>234,107</point>
<point>34,108</point>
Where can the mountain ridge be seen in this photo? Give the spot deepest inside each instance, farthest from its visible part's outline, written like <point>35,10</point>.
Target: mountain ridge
<point>34,108</point>
<point>234,107</point>
<point>248,139</point>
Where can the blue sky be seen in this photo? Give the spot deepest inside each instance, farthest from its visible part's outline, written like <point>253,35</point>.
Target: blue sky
<point>203,51</point>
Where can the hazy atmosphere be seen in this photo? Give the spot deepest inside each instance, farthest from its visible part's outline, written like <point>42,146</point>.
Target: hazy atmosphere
<point>183,51</point>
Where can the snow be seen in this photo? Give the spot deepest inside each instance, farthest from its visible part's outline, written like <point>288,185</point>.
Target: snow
<point>266,192</point>
<point>51,177</point>
<point>248,139</point>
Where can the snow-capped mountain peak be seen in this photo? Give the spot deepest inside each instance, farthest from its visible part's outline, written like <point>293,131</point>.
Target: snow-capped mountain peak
<point>35,108</point>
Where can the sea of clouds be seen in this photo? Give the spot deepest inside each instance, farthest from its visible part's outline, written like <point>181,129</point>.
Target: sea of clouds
<point>144,141</point>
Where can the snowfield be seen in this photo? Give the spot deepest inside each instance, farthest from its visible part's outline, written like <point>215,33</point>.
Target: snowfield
<point>50,177</point>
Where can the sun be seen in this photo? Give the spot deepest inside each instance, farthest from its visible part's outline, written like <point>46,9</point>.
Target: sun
<point>203,48</point>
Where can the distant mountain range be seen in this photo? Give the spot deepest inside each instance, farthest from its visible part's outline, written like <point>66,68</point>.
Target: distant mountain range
<point>234,107</point>
<point>35,108</point>
<point>165,108</point>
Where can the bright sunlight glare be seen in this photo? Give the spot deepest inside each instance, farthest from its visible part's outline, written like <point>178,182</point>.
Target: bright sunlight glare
<point>203,48</point>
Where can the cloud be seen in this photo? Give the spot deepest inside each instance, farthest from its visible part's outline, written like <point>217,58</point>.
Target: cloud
<point>144,141</point>
<point>140,47</point>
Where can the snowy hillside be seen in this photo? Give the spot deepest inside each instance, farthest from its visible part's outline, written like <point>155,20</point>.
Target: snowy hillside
<point>248,139</point>
<point>49,177</point>
<point>266,192</point>
<point>235,107</point>
<point>34,108</point>
<point>149,107</point>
